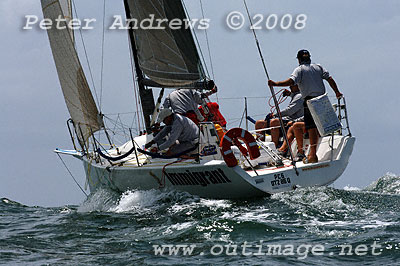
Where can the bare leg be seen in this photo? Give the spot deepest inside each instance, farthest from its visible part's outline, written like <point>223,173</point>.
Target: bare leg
<point>313,132</point>
<point>298,133</point>
<point>275,131</point>
<point>259,125</point>
<point>290,136</point>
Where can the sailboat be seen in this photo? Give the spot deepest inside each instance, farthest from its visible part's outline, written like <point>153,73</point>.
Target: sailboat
<point>170,59</point>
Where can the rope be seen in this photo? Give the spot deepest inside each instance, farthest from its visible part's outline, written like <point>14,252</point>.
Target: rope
<point>115,158</point>
<point>162,184</point>
<point>76,182</point>
<point>157,155</point>
<point>281,99</point>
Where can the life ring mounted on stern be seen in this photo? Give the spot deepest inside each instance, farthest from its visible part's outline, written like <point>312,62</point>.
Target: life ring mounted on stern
<point>231,138</point>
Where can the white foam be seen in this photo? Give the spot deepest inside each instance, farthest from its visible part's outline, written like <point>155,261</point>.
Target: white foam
<point>138,199</point>
<point>178,227</point>
<point>349,188</point>
<point>101,200</point>
<point>215,203</point>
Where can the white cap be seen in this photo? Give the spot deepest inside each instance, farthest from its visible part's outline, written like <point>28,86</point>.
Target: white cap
<point>164,113</point>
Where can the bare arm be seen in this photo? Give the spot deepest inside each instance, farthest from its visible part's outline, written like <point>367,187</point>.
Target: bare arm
<point>333,85</point>
<point>285,83</point>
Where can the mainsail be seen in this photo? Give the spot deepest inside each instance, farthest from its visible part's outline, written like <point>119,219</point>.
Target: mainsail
<point>77,94</point>
<point>169,58</point>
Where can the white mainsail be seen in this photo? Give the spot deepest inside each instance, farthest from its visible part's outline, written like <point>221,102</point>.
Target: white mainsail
<point>77,94</point>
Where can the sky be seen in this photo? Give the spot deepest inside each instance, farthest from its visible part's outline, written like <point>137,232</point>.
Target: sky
<point>357,41</point>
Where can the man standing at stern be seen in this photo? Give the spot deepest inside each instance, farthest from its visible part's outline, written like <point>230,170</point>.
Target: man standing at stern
<point>309,78</point>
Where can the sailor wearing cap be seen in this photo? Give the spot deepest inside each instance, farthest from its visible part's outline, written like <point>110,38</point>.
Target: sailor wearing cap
<point>309,78</point>
<point>182,133</point>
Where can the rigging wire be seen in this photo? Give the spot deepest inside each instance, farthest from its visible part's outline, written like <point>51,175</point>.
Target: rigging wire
<point>241,120</point>
<point>257,42</point>
<point>241,98</point>
<point>197,40</point>
<point>86,55</point>
<point>271,88</point>
<point>134,84</point>
<point>208,43</point>
<point>208,48</point>
<point>102,54</point>
<point>76,182</point>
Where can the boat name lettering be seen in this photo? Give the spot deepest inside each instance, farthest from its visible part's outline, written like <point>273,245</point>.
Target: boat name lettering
<point>189,178</point>
<point>280,179</point>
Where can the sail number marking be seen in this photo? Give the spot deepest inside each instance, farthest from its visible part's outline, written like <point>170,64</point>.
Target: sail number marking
<point>280,180</point>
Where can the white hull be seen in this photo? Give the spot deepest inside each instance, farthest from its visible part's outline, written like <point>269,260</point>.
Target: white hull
<point>214,179</point>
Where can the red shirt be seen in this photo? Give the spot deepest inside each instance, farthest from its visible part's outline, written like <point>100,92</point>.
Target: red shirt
<point>217,117</point>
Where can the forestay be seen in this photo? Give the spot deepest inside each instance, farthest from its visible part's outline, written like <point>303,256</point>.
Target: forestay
<point>77,95</point>
<point>167,57</point>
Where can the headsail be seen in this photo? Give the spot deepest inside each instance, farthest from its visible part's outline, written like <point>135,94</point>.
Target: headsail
<point>77,95</point>
<point>169,58</point>
<point>66,7</point>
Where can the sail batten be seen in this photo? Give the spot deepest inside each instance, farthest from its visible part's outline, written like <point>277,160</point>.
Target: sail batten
<point>76,91</point>
<point>168,57</point>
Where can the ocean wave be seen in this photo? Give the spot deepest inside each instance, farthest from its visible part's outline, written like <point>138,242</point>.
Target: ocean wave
<point>132,201</point>
<point>387,184</point>
<point>8,202</point>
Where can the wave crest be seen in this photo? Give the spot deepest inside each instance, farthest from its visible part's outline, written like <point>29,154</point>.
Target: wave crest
<point>387,184</point>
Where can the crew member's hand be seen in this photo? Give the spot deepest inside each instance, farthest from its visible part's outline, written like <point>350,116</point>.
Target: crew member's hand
<point>269,116</point>
<point>286,93</point>
<point>211,85</point>
<point>271,83</point>
<point>148,145</point>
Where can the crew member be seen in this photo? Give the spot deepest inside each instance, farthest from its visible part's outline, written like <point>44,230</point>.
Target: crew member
<point>292,113</point>
<point>182,134</point>
<point>309,77</point>
<point>185,102</point>
<point>214,114</point>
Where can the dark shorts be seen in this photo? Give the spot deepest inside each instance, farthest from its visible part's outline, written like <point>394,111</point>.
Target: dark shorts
<point>308,119</point>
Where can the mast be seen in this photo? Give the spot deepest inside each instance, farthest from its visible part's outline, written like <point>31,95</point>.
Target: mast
<point>146,95</point>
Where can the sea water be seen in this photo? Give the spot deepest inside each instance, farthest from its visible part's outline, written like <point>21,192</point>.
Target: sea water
<point>313,226</point>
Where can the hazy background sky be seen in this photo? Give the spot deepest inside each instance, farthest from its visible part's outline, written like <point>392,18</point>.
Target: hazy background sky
<point>357,41</point>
